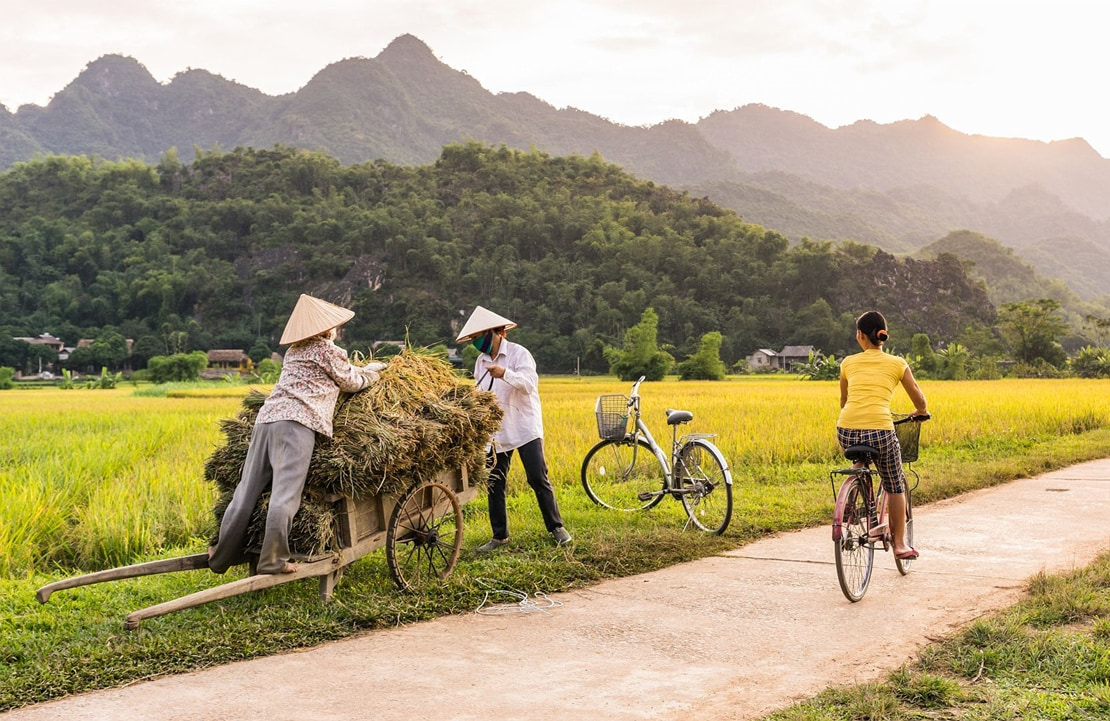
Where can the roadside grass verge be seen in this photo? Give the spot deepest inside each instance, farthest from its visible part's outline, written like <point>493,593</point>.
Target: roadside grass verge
<point>104,479</point>
<point>1046,657</point>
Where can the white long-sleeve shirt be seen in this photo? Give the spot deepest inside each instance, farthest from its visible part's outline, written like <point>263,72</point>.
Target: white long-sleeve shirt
<point>517,393</point>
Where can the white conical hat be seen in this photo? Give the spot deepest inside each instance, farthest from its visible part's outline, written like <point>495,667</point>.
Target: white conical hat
<point>313,316</point>
<point>481,320</point>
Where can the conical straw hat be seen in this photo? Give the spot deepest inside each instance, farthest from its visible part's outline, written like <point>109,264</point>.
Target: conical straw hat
<point>480,321</point>
<point>313,316</point>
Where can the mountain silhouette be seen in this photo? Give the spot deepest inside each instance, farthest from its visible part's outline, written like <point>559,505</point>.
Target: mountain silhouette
<point>900,186</point>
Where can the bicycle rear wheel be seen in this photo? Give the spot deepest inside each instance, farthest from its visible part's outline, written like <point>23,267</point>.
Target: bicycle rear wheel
<point>615,473</point>
<point>705,485</point>
<point>855,554</point>
<point>903,564</point>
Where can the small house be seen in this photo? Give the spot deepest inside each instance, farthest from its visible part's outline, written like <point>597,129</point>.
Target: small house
<point>762,359</point>
<point>792,354</point>
<point>224,362</point>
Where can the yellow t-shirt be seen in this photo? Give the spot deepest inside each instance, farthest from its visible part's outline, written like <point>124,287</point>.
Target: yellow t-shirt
<point>872,378</point>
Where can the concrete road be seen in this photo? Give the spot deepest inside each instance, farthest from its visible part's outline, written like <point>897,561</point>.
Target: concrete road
<point>734,636</point>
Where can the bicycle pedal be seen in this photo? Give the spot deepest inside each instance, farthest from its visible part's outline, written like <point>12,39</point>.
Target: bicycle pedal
<point>645,496</point>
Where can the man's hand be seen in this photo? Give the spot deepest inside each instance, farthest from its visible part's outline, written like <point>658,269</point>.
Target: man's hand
<point>496,371</point>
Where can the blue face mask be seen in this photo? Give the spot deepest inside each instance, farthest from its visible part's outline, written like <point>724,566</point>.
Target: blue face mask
<point>484,343</point>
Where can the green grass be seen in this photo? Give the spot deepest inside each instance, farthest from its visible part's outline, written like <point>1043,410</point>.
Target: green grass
<point>1047,658</point>
<point>126,473</point>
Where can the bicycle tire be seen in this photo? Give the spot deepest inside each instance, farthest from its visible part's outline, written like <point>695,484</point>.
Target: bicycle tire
<point>855,553</point>
<point>705,484</point>
<point>904,564</point>
<point>615,473</point>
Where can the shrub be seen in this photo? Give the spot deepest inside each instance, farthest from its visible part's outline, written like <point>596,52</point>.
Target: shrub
<point>706,364</point>
<point>177,367</point>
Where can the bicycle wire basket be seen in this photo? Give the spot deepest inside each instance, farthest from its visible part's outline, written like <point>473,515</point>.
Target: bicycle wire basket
<point>909,439</point>
<point>612,417</point>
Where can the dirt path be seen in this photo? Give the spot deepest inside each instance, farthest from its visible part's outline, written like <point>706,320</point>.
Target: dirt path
<point>729,637</point>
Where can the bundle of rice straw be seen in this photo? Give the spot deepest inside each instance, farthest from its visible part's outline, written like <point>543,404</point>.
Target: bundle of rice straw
<point>418,420</point>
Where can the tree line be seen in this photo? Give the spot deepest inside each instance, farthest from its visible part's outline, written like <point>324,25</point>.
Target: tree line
<point>177,258</point>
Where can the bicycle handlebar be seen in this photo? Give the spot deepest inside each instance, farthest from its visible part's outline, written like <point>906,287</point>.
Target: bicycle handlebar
<point>915,418</point>
<point>636,388</point>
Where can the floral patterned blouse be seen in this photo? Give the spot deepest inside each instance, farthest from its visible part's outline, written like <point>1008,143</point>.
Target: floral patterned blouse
<point>313,373</point>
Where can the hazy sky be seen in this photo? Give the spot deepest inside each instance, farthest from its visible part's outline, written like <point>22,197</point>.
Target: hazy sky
<point>1009,69</point>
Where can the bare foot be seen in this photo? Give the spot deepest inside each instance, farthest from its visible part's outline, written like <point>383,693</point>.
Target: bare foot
<point>289,567</point>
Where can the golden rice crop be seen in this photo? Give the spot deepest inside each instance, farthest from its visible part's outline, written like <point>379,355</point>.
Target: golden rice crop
<point>100,478</point>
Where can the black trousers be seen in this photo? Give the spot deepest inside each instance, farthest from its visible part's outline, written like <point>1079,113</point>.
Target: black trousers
<point>535,470</point>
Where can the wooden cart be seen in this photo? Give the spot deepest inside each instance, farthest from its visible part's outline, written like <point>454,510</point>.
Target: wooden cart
<point>421,529</point>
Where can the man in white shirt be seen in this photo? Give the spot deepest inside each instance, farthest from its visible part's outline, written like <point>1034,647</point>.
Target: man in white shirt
<point>509,371</point>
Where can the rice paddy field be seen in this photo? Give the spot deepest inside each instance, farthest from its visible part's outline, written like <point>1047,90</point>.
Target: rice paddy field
<point>92,479</point>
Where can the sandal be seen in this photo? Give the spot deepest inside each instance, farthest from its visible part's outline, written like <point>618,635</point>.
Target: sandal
<point>907,555</point>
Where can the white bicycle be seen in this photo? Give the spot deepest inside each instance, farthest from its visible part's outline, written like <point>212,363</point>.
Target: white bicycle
<point>628,470</point>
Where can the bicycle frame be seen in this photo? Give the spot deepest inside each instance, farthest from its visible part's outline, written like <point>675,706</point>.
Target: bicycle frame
<point>641,429</point>
<point>621,471</point>
<point>876,503</point>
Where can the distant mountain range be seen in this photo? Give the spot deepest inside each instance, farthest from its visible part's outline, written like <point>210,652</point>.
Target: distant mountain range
<point>900,186</point>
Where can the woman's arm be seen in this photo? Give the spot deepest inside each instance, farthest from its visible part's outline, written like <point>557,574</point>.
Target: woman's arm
<point>346,375</point>
<point>914,391</point>
<point>843,389</point>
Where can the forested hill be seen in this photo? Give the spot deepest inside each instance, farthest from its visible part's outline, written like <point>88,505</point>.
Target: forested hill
<point>215,252</point>
<point>899,186</point>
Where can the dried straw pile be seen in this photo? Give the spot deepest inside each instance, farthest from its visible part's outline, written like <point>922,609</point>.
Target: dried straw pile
<point>418,420</point>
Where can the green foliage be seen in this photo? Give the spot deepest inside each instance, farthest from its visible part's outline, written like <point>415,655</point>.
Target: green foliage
<point>268,370</point>
<point>177,367</point>
<point>706,364</point>
<point>1033,329</point>
<point>470,356</point>
<point>818,367</point>
<point>922,357</point>
<point>39,356</point>
<point>1092,362</point>
<point>13,352</point>
<point>6,375</point>
<point>640,355</point>
<point>105,380</point>
<point>213,255</point>
<point>954,362</point>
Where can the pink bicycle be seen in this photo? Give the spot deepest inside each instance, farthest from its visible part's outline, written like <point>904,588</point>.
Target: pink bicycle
<point>860,515</point>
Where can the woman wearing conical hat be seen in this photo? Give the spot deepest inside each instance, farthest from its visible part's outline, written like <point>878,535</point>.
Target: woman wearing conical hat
<point>509,370</point>
<point>301,404</point>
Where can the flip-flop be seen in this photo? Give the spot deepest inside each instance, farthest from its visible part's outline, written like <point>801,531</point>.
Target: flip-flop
<point>907,555</point>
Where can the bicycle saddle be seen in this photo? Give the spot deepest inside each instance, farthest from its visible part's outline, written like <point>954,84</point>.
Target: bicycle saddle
<point>861,454</point>
<point>676,417</point>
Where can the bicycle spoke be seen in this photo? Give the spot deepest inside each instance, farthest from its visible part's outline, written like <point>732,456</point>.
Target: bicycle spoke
<point>615,473</point>
<point>854,550</point>
<point>702,478</point>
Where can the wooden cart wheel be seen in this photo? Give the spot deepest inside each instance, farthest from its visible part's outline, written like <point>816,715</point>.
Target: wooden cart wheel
<point>425,535</point>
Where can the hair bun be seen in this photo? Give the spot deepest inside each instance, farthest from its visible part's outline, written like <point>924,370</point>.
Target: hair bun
<point>882,335</point>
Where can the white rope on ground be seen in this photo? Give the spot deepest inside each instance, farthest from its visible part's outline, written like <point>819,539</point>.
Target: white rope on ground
<point>537,603</point>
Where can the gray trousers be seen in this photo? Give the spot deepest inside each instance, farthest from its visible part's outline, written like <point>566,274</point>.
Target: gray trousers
<point>278,456</point>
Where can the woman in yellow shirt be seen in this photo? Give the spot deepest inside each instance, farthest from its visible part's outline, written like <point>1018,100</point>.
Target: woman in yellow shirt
<point>867,384</point>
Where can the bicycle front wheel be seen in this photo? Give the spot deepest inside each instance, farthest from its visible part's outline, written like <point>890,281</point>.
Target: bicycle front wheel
<point>855,554</point>
<point>705,485</point>
<point>616,473</point>
<point>903,564</point>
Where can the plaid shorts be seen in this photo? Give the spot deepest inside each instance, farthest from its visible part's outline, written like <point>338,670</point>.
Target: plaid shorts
<point>889,462</point>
